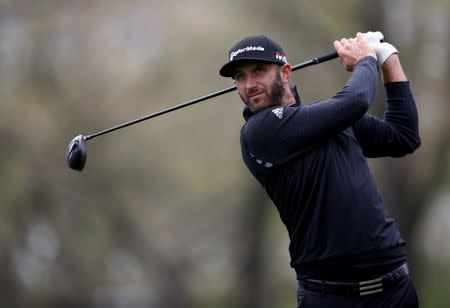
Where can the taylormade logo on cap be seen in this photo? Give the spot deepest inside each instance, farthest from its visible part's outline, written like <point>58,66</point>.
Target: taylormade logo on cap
<point>241,50</point>
<point>253,48</point>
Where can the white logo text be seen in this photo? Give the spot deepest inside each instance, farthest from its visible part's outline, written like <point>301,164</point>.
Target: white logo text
<point>241,50</point>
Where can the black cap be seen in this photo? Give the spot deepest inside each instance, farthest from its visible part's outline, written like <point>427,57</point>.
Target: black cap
<point>256,47</point>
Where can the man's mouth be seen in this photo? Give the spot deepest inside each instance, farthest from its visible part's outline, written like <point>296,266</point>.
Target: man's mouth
<point>254,94</point>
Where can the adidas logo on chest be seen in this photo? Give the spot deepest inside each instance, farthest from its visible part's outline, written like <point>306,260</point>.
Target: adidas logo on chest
<point>278,112</point>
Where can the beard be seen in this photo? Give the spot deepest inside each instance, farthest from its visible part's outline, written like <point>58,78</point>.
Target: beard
<point>275,95</point>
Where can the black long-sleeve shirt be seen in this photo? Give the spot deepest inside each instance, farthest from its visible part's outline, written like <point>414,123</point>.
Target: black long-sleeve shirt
<point>311,160</point>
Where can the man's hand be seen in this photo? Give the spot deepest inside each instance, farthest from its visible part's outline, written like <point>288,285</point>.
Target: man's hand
<point>383,50</point>
<point>352,50</point>
<point>387,57</point>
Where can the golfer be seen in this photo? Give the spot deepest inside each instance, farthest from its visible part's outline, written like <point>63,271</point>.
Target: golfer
<point>312,161</point>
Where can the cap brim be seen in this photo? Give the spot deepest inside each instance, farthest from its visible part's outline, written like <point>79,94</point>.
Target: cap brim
<point>228,69</point>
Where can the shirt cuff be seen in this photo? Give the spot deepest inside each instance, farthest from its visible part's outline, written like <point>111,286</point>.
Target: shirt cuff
<point>368,59</point>
<point>397,89</point>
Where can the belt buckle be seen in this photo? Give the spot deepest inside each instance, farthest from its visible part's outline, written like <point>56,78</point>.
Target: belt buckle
<point>369,287</point>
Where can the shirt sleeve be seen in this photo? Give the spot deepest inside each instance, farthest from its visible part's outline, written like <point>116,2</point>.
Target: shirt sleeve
<point>398,133</point>
<point>276,134</point>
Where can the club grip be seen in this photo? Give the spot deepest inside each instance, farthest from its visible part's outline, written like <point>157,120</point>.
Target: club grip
<point>327,57</point>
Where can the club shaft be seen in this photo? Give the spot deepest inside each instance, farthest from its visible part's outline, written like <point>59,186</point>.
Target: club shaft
<point>197,100</point>
<point>324,58</point>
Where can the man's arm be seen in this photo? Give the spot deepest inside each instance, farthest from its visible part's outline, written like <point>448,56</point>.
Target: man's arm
<point>398,133</point>
<point>276,134</point>
<point>276,138</point>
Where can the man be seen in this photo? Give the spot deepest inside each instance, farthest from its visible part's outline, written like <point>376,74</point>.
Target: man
<point>311,160</point>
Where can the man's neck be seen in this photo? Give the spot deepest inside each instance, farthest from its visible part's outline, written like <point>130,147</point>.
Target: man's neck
<point>288,98</point>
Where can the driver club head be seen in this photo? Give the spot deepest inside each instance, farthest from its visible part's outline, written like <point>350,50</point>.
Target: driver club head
<point>76,153</point>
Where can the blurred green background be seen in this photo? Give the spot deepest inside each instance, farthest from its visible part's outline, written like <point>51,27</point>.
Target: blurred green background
<point>165,213</point>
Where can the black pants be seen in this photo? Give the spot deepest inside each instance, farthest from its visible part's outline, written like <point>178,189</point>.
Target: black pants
<point>402,294</point>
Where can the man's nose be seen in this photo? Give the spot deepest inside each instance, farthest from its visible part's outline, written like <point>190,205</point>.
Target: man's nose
<point>250,82</point>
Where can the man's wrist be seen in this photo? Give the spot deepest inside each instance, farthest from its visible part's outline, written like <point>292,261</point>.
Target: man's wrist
<point>392,69</point>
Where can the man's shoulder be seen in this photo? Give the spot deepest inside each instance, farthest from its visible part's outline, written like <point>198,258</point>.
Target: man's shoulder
<point>261,124</point>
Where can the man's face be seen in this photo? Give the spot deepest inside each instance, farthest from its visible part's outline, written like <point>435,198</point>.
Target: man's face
<point>259,84</point>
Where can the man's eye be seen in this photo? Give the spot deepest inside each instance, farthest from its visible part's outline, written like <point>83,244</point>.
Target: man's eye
<point>238,77</point>
<point>259,70</point>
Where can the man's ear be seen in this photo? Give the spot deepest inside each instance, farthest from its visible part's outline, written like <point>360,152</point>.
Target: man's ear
<point>285,72</point>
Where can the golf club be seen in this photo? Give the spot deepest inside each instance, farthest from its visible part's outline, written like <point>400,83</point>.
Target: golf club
<point>76,154</point>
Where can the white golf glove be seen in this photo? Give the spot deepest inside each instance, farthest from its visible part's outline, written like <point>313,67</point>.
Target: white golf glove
<point>383,50</point>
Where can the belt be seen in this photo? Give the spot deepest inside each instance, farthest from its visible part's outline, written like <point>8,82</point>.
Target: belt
<point>360,288</point>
